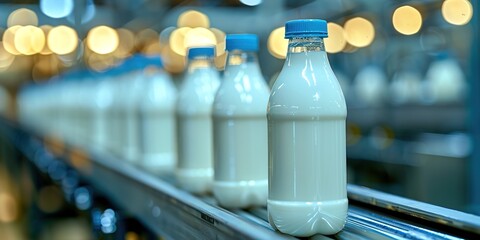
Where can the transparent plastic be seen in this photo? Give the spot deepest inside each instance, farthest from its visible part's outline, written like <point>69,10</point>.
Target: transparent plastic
<point>240,134</point>
<point>307,160</point>
<point>195,138</point>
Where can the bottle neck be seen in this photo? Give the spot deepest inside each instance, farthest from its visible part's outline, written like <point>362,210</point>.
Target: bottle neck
<point>237,57</point>
<point>198,63</point>
<point>305,44</point>
<point>242,59</point>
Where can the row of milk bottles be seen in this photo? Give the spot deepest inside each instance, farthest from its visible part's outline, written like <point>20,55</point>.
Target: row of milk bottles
<point>444,82</point>
<point>250,146</point>
<point>108,112</point>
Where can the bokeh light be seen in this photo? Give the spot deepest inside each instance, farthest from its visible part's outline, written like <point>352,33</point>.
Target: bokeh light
<point>177,40</point>
<point>198,37</point>
<point>457,12</point>
<point>359,32</point>
<point>407,20</point>
<point>193,19</point>
<point>46,29</point>
<point>6,58</point>
<point>56,8</point>
<point>277,44</point>
<point>173,62</point>
<point>8,208</point>
<point>145,36</point>
<point>62,40</point>
<point>164,35</point>
<point>220,37</point>
<point>102,40</point>
<point>29,40</point>
<point>23,17</point>
<point>126,43</point>
<point>336,38</point>
<point>9,39</point>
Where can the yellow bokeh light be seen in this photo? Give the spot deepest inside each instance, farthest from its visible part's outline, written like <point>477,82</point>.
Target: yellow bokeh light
<point>359,32</point>
<point>198,37</point>
<point>22,17</point>
<point>336,38</point>
<point>9,40</point>
<point>407,20</point>
<point>102,39</point>
<point>100,62</point>
<point>145,36</point>
<point>220,37</point>
<point>193,19</point>
<point>6,58</point>
<point>173,62</point>
<point>457,12</point>
<point>220,61</point>
<point>62,40</point>
<point>164,35</point>
<point>177,40</point>
<point>46,29</point>
<point>8,208</point>
<point>29,40</point>
<point>152,48</point>
<point>277,44</point>
<point>126,43</point>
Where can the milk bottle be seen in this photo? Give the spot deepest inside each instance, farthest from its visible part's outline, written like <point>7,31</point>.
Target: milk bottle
<point>129,93</point>
<point>157,119</point>
<point>306,138</point>
<point>444,81</point>
<point>240,127</point>
<point>370,86</point>
<point>194,108</point>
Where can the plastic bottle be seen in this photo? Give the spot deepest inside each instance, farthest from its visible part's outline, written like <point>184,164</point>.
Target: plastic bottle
<point>444,81</point>
<point>194,108</point>
<point>157,119</point>
<point>240,127</point>
<point>102,102</point>
<point>306,126</point>
<point>370,86</point>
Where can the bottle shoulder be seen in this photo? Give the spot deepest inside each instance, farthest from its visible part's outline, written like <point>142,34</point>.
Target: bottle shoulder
<point>241,93</point>
<point>196,95</point>
<point>307,87</point>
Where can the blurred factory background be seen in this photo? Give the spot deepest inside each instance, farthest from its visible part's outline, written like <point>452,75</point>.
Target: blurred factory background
<point>409,71</point>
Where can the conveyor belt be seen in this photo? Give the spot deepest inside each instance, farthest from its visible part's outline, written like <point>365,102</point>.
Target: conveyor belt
<point>175,214</point>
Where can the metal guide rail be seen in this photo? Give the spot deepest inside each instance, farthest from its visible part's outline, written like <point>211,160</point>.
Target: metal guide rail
<point>175,214</point>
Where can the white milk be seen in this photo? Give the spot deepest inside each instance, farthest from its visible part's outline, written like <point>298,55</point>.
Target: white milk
<point>444,81</point>
<point>103,100</point>
<point>406,87</point>
<point>195,140</point>
<point>157,120</point>
<point>370,86</point>
<point>240,134</point>
<point>307,160</point>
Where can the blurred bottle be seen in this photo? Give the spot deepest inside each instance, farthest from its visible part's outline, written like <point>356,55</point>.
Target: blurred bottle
<point>102,102</point>
<point>444,80</point>
<point>194,108</point>
<point>240,127</point>
<point>157,119</point>
<point>370,86</point>
<point>116,121</point>
<point>406,84</point>
<point>306,126</point>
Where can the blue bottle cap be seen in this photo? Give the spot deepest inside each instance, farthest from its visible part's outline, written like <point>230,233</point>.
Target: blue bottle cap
<point>306,28</point>
<point>245,42</point>
<point>201,51</point>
